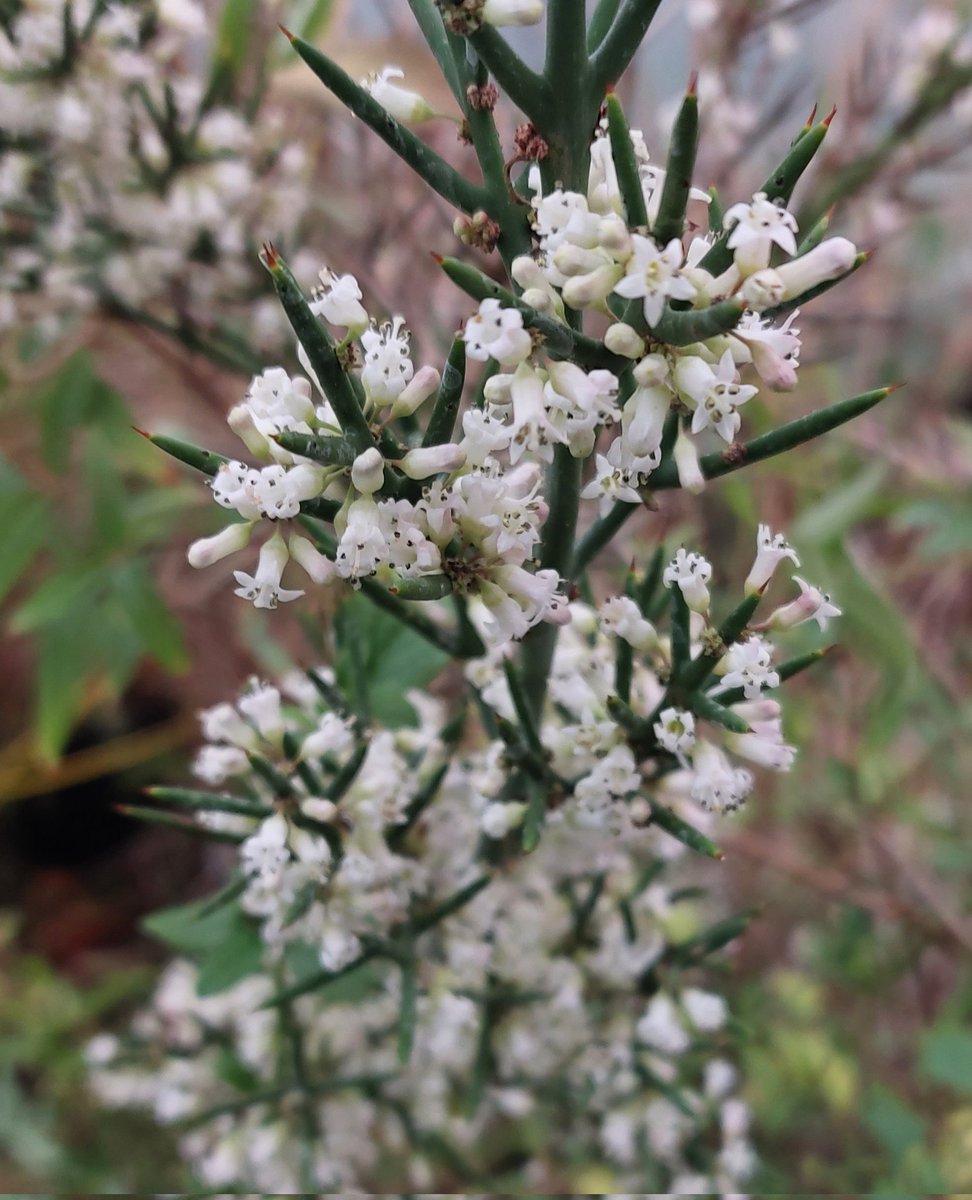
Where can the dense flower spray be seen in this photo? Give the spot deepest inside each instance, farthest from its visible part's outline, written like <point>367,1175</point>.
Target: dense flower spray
<point>469,940</point>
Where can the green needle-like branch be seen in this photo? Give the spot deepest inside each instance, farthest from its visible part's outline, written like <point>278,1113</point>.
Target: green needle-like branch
<point>429,20</point>
<point>320,350</point>
<point>767,445</point>
<point>437,173</point>
<point>620,45</point>
<point>528,90</point>
<point>678,174</point>
<point>625,164</point>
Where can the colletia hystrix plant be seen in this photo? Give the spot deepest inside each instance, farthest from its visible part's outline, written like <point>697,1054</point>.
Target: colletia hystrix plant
<point>473,951</point>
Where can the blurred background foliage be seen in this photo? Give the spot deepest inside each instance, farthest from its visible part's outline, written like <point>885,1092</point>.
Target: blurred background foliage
<point>853,989</point>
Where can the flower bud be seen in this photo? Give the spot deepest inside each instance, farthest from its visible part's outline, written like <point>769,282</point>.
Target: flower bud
<point>423,384</point>
<point>430,460</point>
<point>622,339</point>
<point>584,290</point>
<point>687,463</point>
<point>573,260</point>
<point>651,370</point>
<point>240,420</point>
<point>500,818</point>
<point>368,471</point>
<point>209,550</point>
<point>513,12</point>
<point>317,565</point>
<point>830,259</point>
<point>403,104</point>
<point>763,290</point>
<point>541,300</point>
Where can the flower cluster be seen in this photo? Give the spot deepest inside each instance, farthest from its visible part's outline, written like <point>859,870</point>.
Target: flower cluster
<point>123,182</point>
<point>565,977</point>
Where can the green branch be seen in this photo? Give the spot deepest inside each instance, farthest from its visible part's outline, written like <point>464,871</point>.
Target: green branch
<point>437,173</point>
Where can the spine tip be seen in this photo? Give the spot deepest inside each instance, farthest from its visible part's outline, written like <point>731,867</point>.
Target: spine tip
<point>286,32</point>
<point>829,117</point>
<point>438,257</point>
<point>895,387</point>
<point>269,256</point>
<point>142,433</point>
<point>812,117</point>
<point>693,84</point>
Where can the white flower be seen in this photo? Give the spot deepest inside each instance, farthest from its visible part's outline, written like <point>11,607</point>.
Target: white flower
<point>675,730</point>
<point>338,301</point>
<point>716,784</point>
<point>499,818</point>
<point>771,549</point>
<point>810,605</point>
<point>362,546</point>
<point>264,588</point>
<point>653,274</point>
<point>755,227</point>
<point>611,481</point>
<point>715,394</point>
<point>215,764</point>
<point>333,735</point>
<point>705,1010</point>
<point>691,572</point>
<point>387,365</point>
<point>497,332</point>
<point>621,617</point>
<point>265,852</point>
<point>775,351</point>
<point>404,105</point>
<point>764,750</point>
<point>261,707</point>
<point>747,665</point>
<point>661,1028</point>
<point>532,430</point>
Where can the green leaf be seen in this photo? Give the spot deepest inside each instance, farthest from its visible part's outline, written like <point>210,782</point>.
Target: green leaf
<point>892,1122</point>
<point>232,43</point>
<point>379,659</point>
<point>64,659</point>
<point>58,597</point>
<point>224,940</point>
<point>158,631</point>
<point>24,536</point>
<point>239,955</point>
<point>945,1057</point>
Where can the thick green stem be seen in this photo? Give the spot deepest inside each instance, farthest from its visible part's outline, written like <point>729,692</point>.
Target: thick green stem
<point>568,124</point>
<point>620,44</point>
<point>528,90</point>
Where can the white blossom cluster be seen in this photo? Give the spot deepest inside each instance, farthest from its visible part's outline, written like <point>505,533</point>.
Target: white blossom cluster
<point>122,181</point>
<point>478,520</point>
<point>587,255</point>
<point>554,979</point>
<point>553,995</point>
<point>474,521</point>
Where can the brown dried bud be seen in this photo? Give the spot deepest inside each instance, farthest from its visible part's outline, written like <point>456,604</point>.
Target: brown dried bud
<point>529,145</point>
<point>484,98</point>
